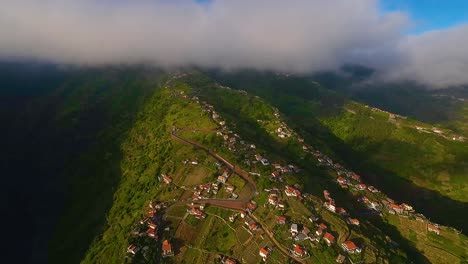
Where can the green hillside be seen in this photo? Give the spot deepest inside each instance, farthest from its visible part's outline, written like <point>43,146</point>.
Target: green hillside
<point>103,138</point>
<point>389,152</point>
<point>254,118</point>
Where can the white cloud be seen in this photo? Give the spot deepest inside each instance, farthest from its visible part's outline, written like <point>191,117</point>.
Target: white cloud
<point>296,35</point>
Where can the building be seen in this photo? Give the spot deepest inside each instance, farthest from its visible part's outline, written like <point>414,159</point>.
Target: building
<point>341,180</point>
<point>330,206</point>
<point>281,220</point>
<point>132,249</point>
<point>341,211</point>
<point>356,177</point>
<point>398,209</point>
<point>229,261</point>
<point>353,221</point>
<point>291,191</point>
<point>361,186</point>
<point>340,259</point>
<point>222,179</point>
<point>433,228</point>
<point>350,247</point>
<point>166,179</point>
<point>167,249</point>
<point>152,233</point>
<point>298,250</point>
<point>329,239</point>
<point>272,199</point>
<point>265,162</point>
<point>230,188</point>
<point>251,225</point>
<point>295,228</point>
<point>319,232</point>
<point>251,206</point>
<point>264,253</point>
<point>275,174</point>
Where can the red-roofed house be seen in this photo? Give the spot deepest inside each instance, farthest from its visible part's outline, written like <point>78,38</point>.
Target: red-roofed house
<point>230,261</point>
<point>281,220</point>
<point>275,174</point>
<point>322,226</point>
<point>329,238</point>
<point>341,180</point>
<point>356,177</point>
<point>350,247</point>
<point>298,250</point>
<point>152,233</point>
<point>319,232</point>
<point>353,221</point>
<point>272,199</point>
<point>361,186</point>
<point>167,179</point>
<point>433,228</point>
<point>341,210</point>
<point>230,188</point>
<point>398,209</point>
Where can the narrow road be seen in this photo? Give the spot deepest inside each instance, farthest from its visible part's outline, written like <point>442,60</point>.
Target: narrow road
<point>226,203</point>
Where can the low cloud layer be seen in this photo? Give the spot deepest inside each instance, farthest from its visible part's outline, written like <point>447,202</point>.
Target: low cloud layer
<point>294,36</point>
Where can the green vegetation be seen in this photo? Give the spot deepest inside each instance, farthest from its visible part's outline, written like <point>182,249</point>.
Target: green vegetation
<point>423,169</point>
<point>118,122</point>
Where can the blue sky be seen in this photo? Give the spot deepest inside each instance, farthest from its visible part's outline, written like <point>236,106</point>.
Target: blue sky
<point>430,14</point>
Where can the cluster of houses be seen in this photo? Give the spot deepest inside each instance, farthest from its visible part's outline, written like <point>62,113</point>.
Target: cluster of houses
<point>283,131</point>
<point>299,232</point>
<point>329,204</point>
<point>274,198</point>
<point>203,191</point>
<point>196,211</point>
<point>347,178</point>
<point>152,222</point>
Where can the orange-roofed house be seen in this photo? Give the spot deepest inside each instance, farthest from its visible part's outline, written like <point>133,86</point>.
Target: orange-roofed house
<point>353,221</point>
<point>329,238</point>
<point>341,180</point>
<point>281,220</point>
<point>167,179</point>
<point>398,209</point>
<point>230,261</point>
<point>433,228</point>
<point>356,177</point>
<point>350,247</point>
<point>167,249</point>
<point>298,250</point>
<point>264,253</point>
<point>152,233</point>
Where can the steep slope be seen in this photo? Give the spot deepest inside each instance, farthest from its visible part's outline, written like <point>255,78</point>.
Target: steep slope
<point>61,139</point>
<point>252,119</point>
<point>373,142</point>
